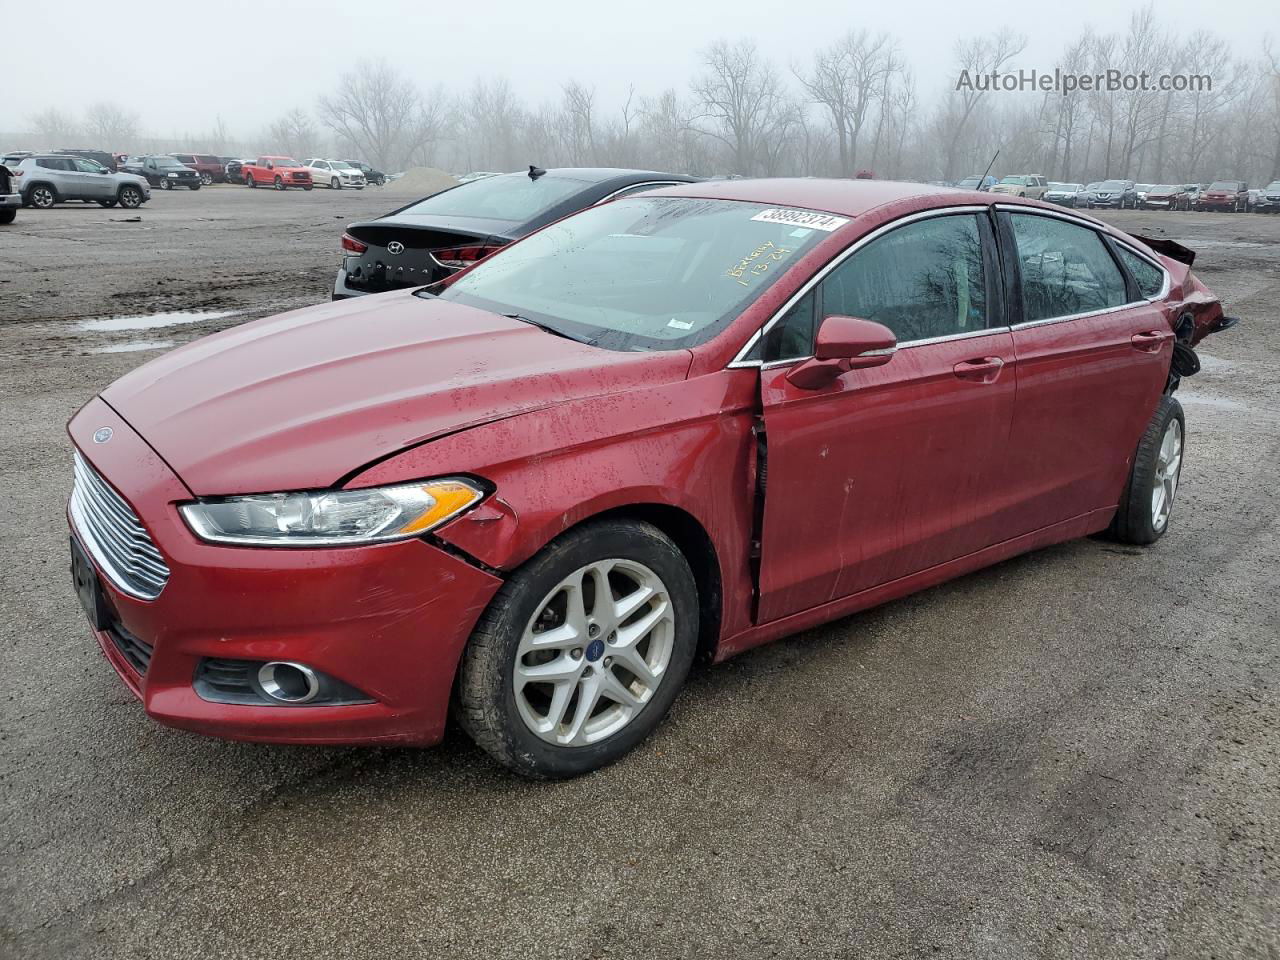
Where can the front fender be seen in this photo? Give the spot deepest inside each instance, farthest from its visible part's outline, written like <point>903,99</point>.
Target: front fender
<point>686,445</point>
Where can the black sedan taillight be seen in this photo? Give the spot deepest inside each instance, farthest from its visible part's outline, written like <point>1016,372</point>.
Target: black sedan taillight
<point>459,257</point>
<point>352,245</point>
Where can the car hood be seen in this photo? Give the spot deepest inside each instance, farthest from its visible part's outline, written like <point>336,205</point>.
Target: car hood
<point>300,400</point>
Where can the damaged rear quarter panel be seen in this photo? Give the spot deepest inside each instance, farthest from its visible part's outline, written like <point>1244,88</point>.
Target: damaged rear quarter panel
<point>686,445</point>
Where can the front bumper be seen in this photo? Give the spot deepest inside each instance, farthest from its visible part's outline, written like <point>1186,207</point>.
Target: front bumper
<point>1267,204</point>
<point>10,199</point>
<point>390,620</point>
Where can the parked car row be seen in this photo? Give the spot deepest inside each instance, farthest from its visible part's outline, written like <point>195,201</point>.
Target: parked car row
<point>45,179</point>
<point>1222,195</point>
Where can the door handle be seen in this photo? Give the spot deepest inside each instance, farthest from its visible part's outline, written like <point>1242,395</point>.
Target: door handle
<point>1149,342</point>
<point>981,369</point>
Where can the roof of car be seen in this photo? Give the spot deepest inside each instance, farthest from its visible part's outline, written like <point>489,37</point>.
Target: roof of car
<point>849,198</point>
<point>600,174</point>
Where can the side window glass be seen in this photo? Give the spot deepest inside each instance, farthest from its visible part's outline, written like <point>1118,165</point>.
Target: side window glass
<point>922,280</point>
<point>791,338</point>
<point>1150,279</point>
<point>1066,269</point>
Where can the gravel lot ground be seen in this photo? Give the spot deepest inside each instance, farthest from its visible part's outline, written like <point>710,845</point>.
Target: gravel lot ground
<point>1075,753</point>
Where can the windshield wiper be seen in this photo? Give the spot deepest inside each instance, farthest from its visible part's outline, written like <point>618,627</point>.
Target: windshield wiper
<point>547,327</point>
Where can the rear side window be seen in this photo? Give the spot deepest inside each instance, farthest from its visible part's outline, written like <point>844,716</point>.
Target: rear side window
<point>1150,278</point>
<point>922,280</point>
<point>514,197</point>
<point>1066,269</point>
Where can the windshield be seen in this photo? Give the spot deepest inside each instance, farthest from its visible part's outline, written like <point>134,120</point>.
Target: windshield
<point>1164,188</point>
<point>1143,187</point>
<point>512,197</point>
<point>339,165</point>
<point>1273,186</point>
<point>169,162</point>
<point>1112,185</point>
<point>1225,185</point>
<point>645,273</point>
<point>1018,180</point>
<point>970,182</point>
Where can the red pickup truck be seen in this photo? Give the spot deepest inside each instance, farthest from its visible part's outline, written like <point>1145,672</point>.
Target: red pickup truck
<point>280,172</point>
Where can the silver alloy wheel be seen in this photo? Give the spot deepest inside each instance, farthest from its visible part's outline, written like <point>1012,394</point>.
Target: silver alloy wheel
<point>1165,479</point>
<point>594,653</point>
<point>206,178</point>
<point>166,184</point>
<point>42,197</point>
<point>335,184</point>
<point>130,197</point>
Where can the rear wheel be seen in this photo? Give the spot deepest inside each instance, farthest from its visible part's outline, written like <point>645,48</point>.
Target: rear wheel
<point>166,184</point>
<point>248,179</point>
<point>42,196</point>
<point>1147,504</point>
<point>581,653</point>
<point>130,197</point>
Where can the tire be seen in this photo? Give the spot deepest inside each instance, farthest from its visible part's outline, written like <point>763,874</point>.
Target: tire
<point>166,184</point>
<point>279,182</point>
<point>106,203</point>
<point>308,187</point>
<point>249,181</point>
<point>7,215</point>
<point>194,186</point>
<point>130,197</point>
<point>41,196</point>
<point>206,179</point>
<point>501,719</point>
<point>1147,504</point>
<point>335,184</point>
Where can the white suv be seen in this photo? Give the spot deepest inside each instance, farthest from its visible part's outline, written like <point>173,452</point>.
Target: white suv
<point>1023,185</point>
<point>334,174</point>
<point>45,179</point>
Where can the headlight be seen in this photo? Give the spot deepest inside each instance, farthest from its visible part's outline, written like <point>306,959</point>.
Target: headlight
<point>329,518</point>
<point>170,174</point>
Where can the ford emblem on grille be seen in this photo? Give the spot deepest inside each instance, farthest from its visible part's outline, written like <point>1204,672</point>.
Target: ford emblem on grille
<point>395,247</point>
<point>102,435</point>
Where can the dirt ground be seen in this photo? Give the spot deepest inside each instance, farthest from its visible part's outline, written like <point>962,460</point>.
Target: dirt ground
<point>1073,754</point>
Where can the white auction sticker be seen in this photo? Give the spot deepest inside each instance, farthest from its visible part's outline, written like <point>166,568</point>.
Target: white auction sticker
<point>802,218</point>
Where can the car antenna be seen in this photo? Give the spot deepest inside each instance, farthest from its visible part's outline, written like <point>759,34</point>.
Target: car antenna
<point>535,172</point>
<point>982,182</point>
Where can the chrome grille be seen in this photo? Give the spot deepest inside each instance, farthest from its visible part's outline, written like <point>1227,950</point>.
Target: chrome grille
<point>114,536</point>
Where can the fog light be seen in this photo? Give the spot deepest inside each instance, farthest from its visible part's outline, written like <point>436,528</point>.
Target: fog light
<point>288,682</point>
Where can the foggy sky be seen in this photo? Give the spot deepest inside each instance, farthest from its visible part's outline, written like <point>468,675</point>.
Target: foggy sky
<point>249,62</point>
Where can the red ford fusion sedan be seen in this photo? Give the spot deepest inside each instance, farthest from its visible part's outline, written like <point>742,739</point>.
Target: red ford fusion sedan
<point>677,424</point>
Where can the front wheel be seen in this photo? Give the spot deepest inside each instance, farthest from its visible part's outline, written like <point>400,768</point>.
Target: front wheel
<point>335,184</point>
<point>106,203</point>
<point>195,186</point>
<point>1147,504</point>
<point>130,197</point>
<point>581,653</point>
<point>279,182</point>
<point>166,184</point>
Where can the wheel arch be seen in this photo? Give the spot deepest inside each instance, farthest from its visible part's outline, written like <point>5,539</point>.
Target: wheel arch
<point>29,188</point>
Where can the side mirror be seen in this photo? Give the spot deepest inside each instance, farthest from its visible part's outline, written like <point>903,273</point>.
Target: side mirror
<point>844,344</point>
<point>270,165</point>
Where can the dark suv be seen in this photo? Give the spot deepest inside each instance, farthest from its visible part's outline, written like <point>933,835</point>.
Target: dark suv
<point>1228,195</point>
<point>164,172</point>
<point>100,157</point>
<point>371,176</point>
<point>210,168</point>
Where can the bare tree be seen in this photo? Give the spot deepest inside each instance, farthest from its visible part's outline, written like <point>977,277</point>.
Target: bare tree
<point>295,134</point>
<point>578,130</point>
<point>742,100</point>
<point>980,56</point>
<point>54,128</point>
<point>846,79</point>
<point>381,114</point>
<point>111,125</point>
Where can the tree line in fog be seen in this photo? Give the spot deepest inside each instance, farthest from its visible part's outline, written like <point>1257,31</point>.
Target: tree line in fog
<point>853,106</point>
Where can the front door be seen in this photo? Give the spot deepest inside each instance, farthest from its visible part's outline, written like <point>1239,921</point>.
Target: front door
<point>893,469</point>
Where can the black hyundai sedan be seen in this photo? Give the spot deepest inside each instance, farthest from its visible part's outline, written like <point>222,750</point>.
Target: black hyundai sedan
<point>432,238</point>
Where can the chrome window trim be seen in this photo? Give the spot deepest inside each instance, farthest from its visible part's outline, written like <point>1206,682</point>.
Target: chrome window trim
<point>654,185</point>
<point>908,345</point>
<point>739,362</point>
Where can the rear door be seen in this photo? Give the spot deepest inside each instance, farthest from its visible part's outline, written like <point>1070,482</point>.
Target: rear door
<point>1093,357</point>
<point>893,469</point>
